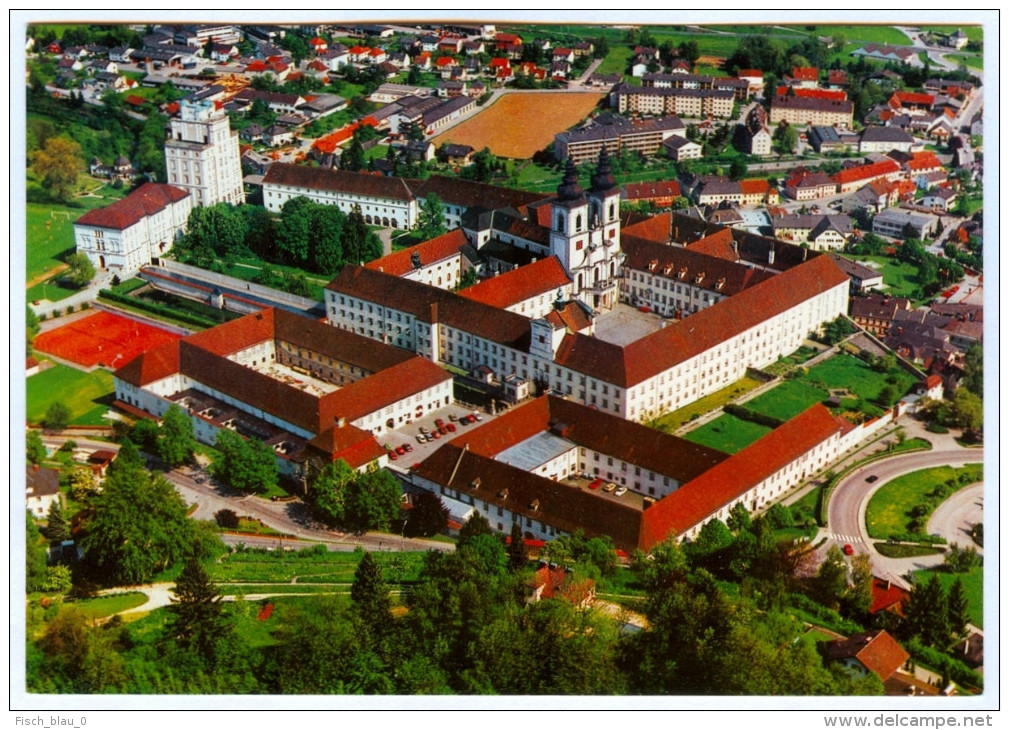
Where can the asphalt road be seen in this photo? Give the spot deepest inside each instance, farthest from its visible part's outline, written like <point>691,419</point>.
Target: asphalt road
<point>847,509</point>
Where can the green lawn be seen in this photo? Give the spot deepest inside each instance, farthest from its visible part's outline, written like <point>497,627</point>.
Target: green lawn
<point>727,433</point>
<point>973,32</point>
<point>674,419</point>
<point>900,279</point>
<point>95,608</point>
<point>968,60</point>
<point>787,400</point>
<point>904,551</point>
<point>847,371</point>
<point>973,585</point>
<point>616,60</point>
<point>247,269</point>
<point>308,567</point>
<point>888,510</point>
<point>87,395</point>
<point>862,34</point>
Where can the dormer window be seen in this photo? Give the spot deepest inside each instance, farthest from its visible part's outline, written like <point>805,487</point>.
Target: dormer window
<point>534,505</point>
<point>503,494</point>
<point>699,278</point>
<point>682,273</point>
<point>667,269</point>
<point>719,284</point>
<point>475,484</point>
<point>652,264</point>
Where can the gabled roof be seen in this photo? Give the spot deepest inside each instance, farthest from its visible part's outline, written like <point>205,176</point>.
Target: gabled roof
<point>702,497</point>
<point>300,176</point>
<point>515,286</point>
<point>864,172</point>
<point>430,252</point>
<point>659,189</point>
<point>876,651</point>
<point>672,262</point>
<point>149,199</point>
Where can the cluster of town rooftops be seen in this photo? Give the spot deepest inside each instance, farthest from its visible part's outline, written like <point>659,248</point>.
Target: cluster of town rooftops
<point>704,305</point>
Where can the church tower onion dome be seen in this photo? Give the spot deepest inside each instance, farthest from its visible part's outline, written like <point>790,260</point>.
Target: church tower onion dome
<point>603,180</point>
<point>569,191</point>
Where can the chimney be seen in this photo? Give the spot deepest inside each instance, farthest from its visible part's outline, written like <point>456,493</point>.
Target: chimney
<point>770,257</point>
<point>341,421</point>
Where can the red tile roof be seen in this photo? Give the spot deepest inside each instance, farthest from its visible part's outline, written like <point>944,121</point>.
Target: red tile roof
<point>572,317</point>
<point>515,286</point>
<point>754,186</point>
<point>877,651</point>
<point>656,228</point>
<point>380,389</point>
<point>831,94</point>
<point>650,190</point>
<point>718,245</point>
<point>698,499</point>
<point>911,97</point>
<point>149,199</point>
<point>806,73</point>
<point>865,172</point>
<point>400,263</point>
<point>151,366</point>
<point>886,595</point>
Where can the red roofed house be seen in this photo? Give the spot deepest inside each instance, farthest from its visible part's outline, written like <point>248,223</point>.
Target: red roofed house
<point>871,651</point>
<point>131,232</point>
<point>806,77</point>
<point>318,45</point>
<point>660,193</point>
<point>302,387</point>
<point>888,596</point>
<point>855,177</point>
<point>551,581</point>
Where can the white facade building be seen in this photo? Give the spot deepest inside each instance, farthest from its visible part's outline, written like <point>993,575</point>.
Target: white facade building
<point>131,232</point>
<point>202,155</point>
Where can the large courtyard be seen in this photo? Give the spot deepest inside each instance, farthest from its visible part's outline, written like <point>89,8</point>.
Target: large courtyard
<point>624,324</point>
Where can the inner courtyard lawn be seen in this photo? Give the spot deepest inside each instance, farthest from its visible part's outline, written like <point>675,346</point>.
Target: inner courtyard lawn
<point>727,433</point>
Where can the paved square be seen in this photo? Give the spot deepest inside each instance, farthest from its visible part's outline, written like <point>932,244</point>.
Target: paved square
<point>625,324</point>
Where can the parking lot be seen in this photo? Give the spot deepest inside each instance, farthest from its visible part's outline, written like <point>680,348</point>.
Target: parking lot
<point>408,435</point>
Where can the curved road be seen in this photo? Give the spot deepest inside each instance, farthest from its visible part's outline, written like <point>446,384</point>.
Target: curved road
<point>847,509</point>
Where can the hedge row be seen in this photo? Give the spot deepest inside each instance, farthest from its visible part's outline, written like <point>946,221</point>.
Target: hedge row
<point>939,661</point>
<point>175,314</point>
<point>734,409</point>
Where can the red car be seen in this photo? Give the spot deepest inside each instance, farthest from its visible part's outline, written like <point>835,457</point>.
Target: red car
<point>436,434</point>
<point>439,422</point>
<point>392,455</point>
<point>596,483</point>
<point>450,427</point>
<point>400,450</point>
<point>849,550</point>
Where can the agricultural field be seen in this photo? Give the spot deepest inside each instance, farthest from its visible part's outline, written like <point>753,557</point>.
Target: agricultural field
<point>102,338</point>
<point>787,400</point>
<point>862,34</point>
<point>518,125</point>
<point>727,433</point>
<point>86,395</point>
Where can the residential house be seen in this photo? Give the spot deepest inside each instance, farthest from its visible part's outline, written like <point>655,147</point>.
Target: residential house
<point>758,136</point>
<point>819,232</point>
<point>554,581</point>
<point>899,223</point>
<point>803,185</point>
<point>875,313</point>
<point>941,199</point>
<point>896,54</point>
<point>681,148</point>
<point>42,489</point>
<point>874,652</point>
<point>885,139</point>
<point>863,278</point>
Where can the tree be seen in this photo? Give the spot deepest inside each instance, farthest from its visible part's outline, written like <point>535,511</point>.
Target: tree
<point>80,271</point>
<point>137,528</point>
<point>57,165</point>
<point>928,613</point>
<point>831,582</point>
<point>35,450</point>
<point>968,410</point>
<point>428,517</point>
<point>82,484</point>
<point>352,158</point>
<point>32,328</point>
<point>177,440</point>
<point>431,220</point>
<point>739,518</point>
<point>79,658</point>
<point>245,464</point>
<point>197,620</point>
<point>370,593</point>
<point>145,434</point>
<point>373,501</point>
<point>738,169</point>
<point>35,556</point>
<point>57,416</point>
<point>858,598</point>
<point>327,492</point>
<point>956,606</point>
<point>713,537</point>
<point>56,530</point>
<point>477,524</point>
<point>327,240</point>
<point>518,557</point>
<point>294,231</point>
<point>226,518</point>
<point>786,138</point>
<point>973,370</point>
<point>961,560</point>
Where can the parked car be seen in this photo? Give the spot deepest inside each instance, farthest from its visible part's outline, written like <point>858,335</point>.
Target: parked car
<point>439,422</point>
<point>453,417</point>
<point>421,438</point>
<point>610,487</point>
<point>477,416</point>
<point>621,491</point>
<point>596,483</point>
<point>871,478</point>
<point>848,549</point>
<point>435,434</point>
<point>400,450</point>
<point>407,447</point>
<point>392,455</point>
<point>450,427</point>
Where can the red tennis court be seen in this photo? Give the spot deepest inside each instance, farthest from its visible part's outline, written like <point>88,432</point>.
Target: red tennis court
<point>103,338</point>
